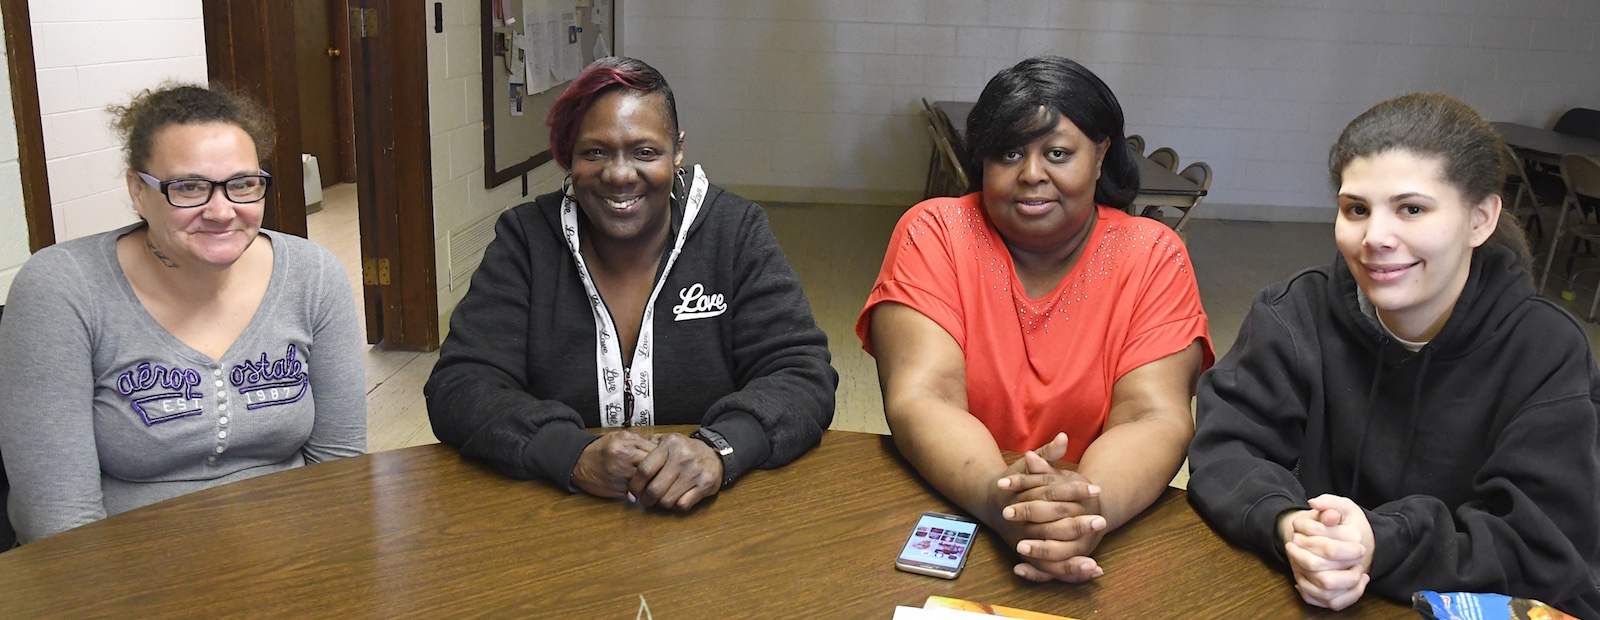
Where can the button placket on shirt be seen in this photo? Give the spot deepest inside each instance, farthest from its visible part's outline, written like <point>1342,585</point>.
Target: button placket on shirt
<point>222,418</point>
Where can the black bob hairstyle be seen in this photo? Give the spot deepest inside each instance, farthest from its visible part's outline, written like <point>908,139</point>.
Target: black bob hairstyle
<point>1008,116</point>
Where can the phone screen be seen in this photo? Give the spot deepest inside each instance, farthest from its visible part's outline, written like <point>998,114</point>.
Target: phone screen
<point>939,542</point>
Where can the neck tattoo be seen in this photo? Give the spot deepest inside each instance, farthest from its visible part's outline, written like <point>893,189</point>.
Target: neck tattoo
<point>159,256</point>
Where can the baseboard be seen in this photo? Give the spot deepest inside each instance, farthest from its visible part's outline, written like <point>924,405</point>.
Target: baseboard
<point>1266,213</point>
<point>826,195</point>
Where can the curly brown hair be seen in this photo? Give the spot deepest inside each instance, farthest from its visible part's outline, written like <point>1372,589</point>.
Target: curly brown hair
<point>187,104</point>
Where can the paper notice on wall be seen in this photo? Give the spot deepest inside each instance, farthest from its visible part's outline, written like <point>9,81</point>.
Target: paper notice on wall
<point>540,49</point>
<point>571,53</point>
<point>601,48</point>
<point>518,59</point>
<point>600,13</point>
<point>536,61</point>
<point>554,39</point>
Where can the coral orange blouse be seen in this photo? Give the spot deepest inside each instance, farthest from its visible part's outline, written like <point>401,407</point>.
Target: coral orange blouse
<point>1039,366</point>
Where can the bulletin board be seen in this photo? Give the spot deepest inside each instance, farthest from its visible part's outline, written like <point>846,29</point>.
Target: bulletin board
<point>516,140</point>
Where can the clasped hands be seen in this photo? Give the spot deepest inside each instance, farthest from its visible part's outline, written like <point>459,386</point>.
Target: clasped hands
<point>668,470</point>
<point>1052,516</point>
<point>1330,551</point>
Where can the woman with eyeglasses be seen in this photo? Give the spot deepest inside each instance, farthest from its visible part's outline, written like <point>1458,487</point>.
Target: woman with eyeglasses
<point>185,351</point>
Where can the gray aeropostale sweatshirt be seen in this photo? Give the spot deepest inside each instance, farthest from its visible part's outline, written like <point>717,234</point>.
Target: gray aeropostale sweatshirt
<point>103,411</point>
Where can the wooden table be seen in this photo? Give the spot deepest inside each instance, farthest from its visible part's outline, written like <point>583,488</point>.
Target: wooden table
<point>1158,186</point>
<point>422,532</point>
<point>1544,145</point>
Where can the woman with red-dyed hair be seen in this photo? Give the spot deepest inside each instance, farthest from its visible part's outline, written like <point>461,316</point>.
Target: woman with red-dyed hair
<point>639,294</point>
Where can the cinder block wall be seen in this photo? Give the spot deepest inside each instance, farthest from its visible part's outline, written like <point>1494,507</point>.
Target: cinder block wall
<point>801,97</point>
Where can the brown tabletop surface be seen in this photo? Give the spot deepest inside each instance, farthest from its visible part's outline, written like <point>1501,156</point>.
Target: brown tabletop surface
<point>423,532</point>
<point>1550,144</point>
<point>1154,180</point>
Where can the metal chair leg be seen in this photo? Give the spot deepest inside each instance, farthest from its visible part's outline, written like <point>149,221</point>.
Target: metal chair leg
<point>1182,221</point>
<point>1594,304</point>
<point>1555,244</point>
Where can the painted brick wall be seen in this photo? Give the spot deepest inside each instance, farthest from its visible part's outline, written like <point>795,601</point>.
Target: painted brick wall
<point>796,97</point>
<point>455,111</point>
<point>89,54</point>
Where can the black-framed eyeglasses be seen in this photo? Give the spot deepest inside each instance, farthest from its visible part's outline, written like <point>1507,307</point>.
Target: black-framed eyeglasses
<point>187,193</point>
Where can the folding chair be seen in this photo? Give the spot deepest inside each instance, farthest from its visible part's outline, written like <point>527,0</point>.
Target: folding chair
<point>1582,176</point>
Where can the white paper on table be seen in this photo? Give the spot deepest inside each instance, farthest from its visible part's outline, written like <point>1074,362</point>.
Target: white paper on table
<point>571,52</point>
<point>601,48</point>
<point>600,13</point>
<point>519,58</point>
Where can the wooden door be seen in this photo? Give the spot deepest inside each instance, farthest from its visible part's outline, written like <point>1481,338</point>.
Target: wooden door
<point>388,57</point>
<point>389,84</point>
<point>244,51</point>
<point>316,56</point>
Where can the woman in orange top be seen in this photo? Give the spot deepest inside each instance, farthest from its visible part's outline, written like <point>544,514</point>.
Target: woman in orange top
<point>1035,312</point>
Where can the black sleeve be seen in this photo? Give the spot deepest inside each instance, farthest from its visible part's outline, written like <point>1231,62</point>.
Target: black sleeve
<point>1250,419</point>
<point>1533,527</point>
<point>478,399</point>
<point>780,358</point>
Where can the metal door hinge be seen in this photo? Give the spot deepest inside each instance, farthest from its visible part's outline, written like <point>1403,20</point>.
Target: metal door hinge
<point>375,272</point>
<point>363,23</point>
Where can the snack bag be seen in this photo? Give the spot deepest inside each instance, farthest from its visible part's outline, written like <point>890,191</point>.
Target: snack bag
<point>1478,606</point>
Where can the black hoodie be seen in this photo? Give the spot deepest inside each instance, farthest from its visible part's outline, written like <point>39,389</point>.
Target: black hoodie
<point>515,383</point>
<point>1477,459</point>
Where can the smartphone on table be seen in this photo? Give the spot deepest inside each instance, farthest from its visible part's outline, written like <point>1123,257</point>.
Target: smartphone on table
<point>938,545</point>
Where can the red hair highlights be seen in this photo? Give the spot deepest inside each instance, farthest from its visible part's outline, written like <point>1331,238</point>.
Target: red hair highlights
<point>600,77</point>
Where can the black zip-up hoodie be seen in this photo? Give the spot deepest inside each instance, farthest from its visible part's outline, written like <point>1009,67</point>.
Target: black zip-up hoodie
<point>516,379</point>
<point>1476,459</point>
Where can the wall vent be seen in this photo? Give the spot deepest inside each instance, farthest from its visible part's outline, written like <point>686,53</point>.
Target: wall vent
<point>466,249</point>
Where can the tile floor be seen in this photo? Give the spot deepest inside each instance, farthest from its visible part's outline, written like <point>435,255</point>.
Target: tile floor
<point>396,416</point>
<point>836,250</point>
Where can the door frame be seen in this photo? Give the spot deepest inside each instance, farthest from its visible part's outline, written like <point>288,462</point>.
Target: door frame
<point>30,124</point>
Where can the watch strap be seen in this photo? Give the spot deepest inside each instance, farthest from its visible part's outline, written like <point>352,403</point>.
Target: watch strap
<point>724,450</point>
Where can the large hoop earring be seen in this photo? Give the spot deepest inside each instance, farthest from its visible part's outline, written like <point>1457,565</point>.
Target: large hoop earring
<point>673,195</point>
<point>566,188</point>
